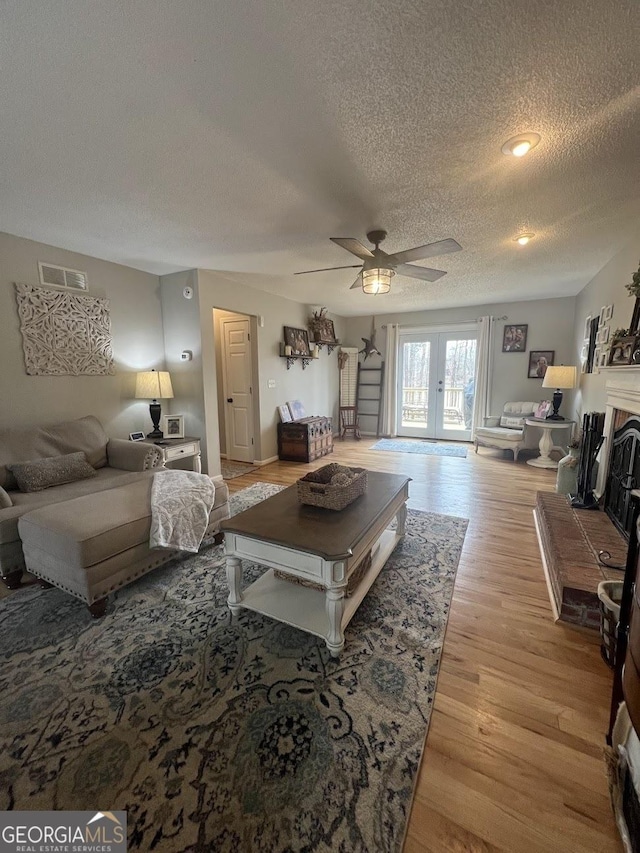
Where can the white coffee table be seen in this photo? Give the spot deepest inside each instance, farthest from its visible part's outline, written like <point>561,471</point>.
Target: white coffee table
<point>546,444</point>
<point>315,545</point>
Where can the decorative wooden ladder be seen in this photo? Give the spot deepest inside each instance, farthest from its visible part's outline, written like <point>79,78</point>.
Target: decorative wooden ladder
<point>370,378</point>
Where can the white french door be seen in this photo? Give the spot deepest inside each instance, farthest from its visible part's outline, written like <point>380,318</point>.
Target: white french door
<point>436,373</point>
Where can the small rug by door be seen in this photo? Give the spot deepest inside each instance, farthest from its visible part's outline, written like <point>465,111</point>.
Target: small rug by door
<point>231,470</point>
<point>423,447</point>
<point>228,734</point>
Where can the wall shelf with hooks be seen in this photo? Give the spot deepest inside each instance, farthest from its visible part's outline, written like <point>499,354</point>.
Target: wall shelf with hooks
<point>291,359</point>
<point>330,345</point>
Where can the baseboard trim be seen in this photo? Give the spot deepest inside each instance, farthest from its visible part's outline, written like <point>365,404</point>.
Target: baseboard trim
<point>261,462</point>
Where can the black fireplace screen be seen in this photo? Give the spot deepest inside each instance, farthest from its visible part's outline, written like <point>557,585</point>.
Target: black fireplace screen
<point>623,474</point>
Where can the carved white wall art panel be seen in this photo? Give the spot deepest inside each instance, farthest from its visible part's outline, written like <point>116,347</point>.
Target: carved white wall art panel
<point>64,334</point>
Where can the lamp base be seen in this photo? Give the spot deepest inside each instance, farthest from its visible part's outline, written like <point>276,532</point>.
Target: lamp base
<point>154,411</point>
<point>557,401</point>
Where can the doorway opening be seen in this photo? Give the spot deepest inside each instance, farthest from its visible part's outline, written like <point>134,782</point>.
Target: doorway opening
<point>234,374</point>
<point>436,379</point>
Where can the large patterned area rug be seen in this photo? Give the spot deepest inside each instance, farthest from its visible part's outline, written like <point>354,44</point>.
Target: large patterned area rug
<point>227,734</point>
<point>425,448</point>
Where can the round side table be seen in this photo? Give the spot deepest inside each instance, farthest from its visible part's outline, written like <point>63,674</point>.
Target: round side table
<point>546,441</point>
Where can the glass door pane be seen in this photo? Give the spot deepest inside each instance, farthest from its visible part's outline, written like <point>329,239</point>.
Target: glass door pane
<point>456,386</point>
<point>415,403</point>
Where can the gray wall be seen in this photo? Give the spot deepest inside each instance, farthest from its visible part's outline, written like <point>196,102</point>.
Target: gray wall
<point>182,332</point>
<point>605,288</point>
<point>550,324</point>
<point>136,327</point>
<point>317,386</point>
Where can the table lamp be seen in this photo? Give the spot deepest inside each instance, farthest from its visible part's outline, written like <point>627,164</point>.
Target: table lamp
<point>562,376</point>
<point>153,385</point>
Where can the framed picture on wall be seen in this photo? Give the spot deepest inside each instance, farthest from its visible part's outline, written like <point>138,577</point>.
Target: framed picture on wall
<point>539,360</point>
<point>297,339</point>
<point>514,338</point>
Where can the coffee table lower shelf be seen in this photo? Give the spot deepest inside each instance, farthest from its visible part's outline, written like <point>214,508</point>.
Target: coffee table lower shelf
<point>313,610</point>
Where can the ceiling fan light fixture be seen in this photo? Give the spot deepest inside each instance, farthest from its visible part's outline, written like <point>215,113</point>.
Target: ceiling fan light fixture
<point>520,145</point>
<point>377,280</point>
<point>523,239</point>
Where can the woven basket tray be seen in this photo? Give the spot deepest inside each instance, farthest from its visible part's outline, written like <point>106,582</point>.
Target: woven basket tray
<point>331,497</point>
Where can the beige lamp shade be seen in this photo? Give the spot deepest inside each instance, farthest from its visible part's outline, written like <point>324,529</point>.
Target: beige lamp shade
<point>153,385</point>
<point>562,376</point>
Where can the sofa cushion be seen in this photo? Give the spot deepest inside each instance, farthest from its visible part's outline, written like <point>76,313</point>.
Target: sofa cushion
<point>23,502</point>
<point>500,433</point>
<point>5,499</point>
<point>90,529</point>
<point>39,474</point>
<point>22,444</point>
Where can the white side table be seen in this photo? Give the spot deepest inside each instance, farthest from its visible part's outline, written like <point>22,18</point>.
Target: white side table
<point>546,441</point>
<point>179,448</point>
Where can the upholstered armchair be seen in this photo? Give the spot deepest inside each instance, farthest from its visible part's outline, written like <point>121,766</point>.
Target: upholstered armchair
<point>509,431</point>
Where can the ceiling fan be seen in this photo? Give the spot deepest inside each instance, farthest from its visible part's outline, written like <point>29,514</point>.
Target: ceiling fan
<point>379,268</point>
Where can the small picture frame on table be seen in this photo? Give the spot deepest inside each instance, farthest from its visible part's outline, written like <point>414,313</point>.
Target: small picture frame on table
<point>173,426</point>
<point>543,409</point>
<point>136,436</point>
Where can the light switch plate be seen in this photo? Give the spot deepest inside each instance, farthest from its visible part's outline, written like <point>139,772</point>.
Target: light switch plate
<point>271,383</point>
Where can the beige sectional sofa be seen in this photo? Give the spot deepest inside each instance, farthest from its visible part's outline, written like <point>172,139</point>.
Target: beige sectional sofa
<point>120,465</point>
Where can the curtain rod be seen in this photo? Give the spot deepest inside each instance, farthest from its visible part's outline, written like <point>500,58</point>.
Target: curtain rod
<point>450,323</point>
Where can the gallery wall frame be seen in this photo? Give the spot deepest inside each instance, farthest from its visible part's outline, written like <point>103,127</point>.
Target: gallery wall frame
<point>539,360</point>
<point>514,337</point>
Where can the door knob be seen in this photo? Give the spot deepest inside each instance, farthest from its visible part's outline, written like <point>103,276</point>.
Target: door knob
<point>440,390</point>
<point>229,399</point>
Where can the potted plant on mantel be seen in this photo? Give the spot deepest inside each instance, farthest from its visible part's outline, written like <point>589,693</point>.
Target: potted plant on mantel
<point>634,290</point>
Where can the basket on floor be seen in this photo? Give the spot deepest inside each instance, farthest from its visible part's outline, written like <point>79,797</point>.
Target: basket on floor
<point>317,488</point>
<point>610,595</point>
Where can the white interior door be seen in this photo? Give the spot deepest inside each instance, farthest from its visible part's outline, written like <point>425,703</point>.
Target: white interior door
<point>436,376</point>
<point>236,350</point>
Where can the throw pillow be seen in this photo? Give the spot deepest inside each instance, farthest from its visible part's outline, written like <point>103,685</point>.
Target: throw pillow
<point>52,471</point>
<point>514,421</point>
<point>5,500</point>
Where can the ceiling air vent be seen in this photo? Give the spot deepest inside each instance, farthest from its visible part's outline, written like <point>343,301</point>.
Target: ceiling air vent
<point>55,276</point>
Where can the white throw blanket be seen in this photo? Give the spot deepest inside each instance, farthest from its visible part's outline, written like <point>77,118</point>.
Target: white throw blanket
<point>180,505</point>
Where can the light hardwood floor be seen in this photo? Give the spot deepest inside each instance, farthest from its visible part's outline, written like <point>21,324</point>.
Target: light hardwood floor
<point>513,758</point>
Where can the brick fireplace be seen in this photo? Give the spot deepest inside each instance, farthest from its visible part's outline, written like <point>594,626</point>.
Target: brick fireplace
<point>570,539</point>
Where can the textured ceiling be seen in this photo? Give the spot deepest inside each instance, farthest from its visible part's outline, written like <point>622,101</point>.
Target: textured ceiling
<point>242,134</point>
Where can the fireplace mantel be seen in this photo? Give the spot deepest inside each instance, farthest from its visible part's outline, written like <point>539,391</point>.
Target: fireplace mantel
<point>623,394</point>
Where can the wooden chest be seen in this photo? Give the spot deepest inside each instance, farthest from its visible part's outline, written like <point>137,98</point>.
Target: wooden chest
<point>305,440</point>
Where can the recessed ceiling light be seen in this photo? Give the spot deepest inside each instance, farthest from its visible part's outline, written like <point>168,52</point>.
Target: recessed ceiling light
<point>520,145</point>
<point>523,239</point>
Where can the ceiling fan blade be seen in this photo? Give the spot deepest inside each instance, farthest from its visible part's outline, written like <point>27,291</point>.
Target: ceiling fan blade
<point>356,283</point>
<point>431,250</point>
<point>354,246</point>
<point>330,269</point>
<point>423,273</point>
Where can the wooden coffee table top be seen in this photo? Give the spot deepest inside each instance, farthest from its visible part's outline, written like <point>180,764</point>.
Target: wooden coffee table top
<point>331,535</point>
